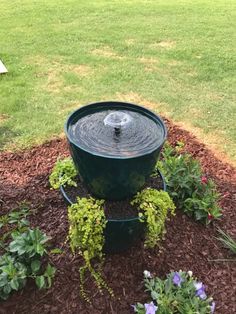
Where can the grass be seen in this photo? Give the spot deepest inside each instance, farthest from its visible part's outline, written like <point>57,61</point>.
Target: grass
<point>176,57</point>
<point>227,241</point>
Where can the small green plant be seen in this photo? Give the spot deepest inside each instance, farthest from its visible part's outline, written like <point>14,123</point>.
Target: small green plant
<point>29,244</point>
<point>13,221</point>
<point>87,222</point>
<point>179,293</point>
<point>13,275</point>
<point>24,249</point>
<point>191,191</point>
<point>153,208</point>
<point>227,241</point>
<point>63,173</point>
<point>18,217</point>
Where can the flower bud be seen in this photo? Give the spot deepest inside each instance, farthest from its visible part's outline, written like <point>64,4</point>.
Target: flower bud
<point>147,274</point>
<point>204,180</point>
<point>210,217</point>
<point>190,273</point>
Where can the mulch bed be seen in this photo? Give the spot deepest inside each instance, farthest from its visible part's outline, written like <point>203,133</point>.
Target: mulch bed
<point>188,245</point>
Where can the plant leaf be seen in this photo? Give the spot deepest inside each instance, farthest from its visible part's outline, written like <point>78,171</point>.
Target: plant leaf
<point>35,265</point>
<point>14,284</point>
<point>50,271</point>
<point>56,251</point>
<point>40,282</point>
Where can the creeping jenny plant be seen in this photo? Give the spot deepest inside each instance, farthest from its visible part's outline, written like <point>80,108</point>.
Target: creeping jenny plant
<point>87,222</point>
<point>153,208</point>
<point>63,173</point>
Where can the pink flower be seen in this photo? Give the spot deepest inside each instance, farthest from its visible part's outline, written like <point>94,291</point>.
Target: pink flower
<point>210,217</point>
<point>204,180</point>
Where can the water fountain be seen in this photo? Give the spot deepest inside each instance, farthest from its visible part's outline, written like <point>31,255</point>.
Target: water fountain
<point>115,147</point>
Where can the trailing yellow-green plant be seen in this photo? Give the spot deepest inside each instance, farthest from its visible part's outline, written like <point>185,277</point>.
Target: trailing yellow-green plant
<point>86,234</point>
<point>63,173</point>
<point>154,206</point>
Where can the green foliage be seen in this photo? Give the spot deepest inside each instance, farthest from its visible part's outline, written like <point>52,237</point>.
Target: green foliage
<point>13,221</point>
<point>63,173</point>
<point>18,217</point>
<point>153,208</point>
<point>227,241</point>
<point>170,298</point>
<point>87,222</point>
<point>191,191</point>
<point>56,251</point>
<point>24,249</point>
<point>49,273</point>
<point>28,244</point>
<point>13,275</point>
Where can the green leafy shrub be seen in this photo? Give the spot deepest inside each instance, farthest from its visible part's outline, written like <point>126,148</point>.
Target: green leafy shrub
<point>13,275</point>
<point>63,173</point>
<point>29,244</point>
<point>191,191</point>
<point>87,222</point>
<point>179,293</point>
<point>153,208</point>
<point>13,221</point>
<point>24,249</point>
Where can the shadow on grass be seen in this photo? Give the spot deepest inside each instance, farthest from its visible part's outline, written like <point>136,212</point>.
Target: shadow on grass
<point>6,136</point>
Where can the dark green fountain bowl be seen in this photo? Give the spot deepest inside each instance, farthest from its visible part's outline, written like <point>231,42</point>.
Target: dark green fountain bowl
<point>107,175</point>
<point>120,234</point>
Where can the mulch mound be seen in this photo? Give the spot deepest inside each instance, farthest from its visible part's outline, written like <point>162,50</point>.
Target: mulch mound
<point>188,245</point>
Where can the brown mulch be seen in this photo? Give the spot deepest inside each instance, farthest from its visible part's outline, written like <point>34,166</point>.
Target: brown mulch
<point>188,245</point>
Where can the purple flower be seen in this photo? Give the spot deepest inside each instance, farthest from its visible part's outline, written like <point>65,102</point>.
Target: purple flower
<point>134,307</point>
<point>150,308</point>
<point>213,305</point>
<point>200,290</point>
<point>177,279</point>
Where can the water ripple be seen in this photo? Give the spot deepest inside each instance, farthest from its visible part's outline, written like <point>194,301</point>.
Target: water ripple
<point>141,136</point>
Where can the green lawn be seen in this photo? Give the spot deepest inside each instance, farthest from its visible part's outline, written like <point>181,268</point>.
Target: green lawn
<point>177,57</point>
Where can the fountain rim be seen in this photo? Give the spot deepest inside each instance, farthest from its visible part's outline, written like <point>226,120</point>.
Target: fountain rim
<point>148,112</point>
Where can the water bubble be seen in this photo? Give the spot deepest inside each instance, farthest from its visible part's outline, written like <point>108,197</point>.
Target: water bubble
<point>117,119</point>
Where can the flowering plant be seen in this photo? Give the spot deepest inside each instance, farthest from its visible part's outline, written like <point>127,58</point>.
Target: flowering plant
<point>190,189</point>
<point>179,293</point>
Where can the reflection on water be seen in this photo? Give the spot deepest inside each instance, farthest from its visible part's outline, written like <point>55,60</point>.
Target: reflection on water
<point>140,136</point>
